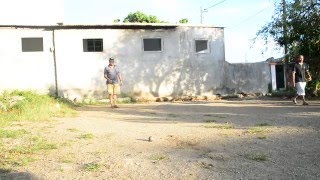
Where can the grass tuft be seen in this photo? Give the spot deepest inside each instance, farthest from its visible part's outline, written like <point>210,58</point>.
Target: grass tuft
<point>262,137</point>
<point>159,157</point>
<point>173,115</point>
<point>27,105</point>
<point>220,126</point>
<point>68,158</point>
<point>73,130</point>
<point>210,121</point>
<point>12,133</point>
<point>260,157</point>
<point>263,124</point>
<point>214,115</point>
<point>257,130</point>
<point>86,136</point>
<point>92,167</point>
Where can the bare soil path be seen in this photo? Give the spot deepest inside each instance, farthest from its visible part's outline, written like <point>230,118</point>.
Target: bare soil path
<point>251,139</point>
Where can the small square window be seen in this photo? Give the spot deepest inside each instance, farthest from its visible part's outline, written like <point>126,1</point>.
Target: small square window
<point>32,44</point>
<point>152,44</point>
<point>202,46</point>
<point>92,45</point>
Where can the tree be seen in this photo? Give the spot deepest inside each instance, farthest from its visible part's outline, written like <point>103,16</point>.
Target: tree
<point>141,18</point>
<point>116,20</point>
<point>184,21</point>
<point>301,34</point>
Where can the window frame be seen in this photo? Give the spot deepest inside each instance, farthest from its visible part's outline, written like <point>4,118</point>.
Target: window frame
<point>206,51</point>
<point>161,43</point>
<point>85,45</point>
<point>30,50</point>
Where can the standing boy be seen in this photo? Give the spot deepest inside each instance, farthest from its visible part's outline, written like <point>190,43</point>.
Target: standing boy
<point>114,81</point>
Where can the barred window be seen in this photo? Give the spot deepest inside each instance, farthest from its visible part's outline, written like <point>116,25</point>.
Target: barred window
<point>152,44</point>
<point>92,45</point>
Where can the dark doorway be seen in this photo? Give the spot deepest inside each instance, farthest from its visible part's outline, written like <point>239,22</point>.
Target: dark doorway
<point>280,77</point>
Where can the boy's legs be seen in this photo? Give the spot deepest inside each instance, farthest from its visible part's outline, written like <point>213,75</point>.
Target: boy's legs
<point>111,92</point>
<point>294,99</point>
<point>116,91</point>
<point>300,88</point>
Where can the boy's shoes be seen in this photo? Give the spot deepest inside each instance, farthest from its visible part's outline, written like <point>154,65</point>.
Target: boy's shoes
<point>294,101</point>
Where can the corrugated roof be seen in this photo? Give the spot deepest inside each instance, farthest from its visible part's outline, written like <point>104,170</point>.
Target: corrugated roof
<point>110,26</point>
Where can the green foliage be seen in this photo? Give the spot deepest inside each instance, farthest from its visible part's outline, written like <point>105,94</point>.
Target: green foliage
<point>23,151</point>
<point>116,20</point>
<point>220,126</point>
<point>257,156</point>
<point>257,130</point>
<point>27,105</point>
<point>12,133</point>
<point>263,124</point>
<point>92,166</point>
<point>210,121</point>
<point>184,21</point>
<point>86,136</point>
<point>159,157</point>
<point>140,17</point>
<point>303,31</point>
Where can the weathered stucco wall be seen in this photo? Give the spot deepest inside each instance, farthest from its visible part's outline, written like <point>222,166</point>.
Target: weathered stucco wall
<point>25,70</point>
<point>176,70</point>
<point>246,78</point>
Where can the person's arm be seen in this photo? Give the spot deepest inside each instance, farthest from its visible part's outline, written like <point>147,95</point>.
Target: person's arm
<point>294,76</point>
<point>106,75</point>
<point>120,79</point>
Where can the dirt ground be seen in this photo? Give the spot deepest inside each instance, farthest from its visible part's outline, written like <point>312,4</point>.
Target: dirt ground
<point>234,139</point>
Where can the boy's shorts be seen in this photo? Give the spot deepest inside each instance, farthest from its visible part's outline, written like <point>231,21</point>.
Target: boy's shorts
<point>301,87</point>
<point>113,89</point>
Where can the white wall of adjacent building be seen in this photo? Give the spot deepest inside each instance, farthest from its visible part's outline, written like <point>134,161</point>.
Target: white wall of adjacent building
<point>25,70</point>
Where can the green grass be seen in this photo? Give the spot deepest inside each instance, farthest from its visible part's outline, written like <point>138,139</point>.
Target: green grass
<point>220,126</point>
<point>23,153</point>
<point>257,130</point>
<point>12,133</point>
<point>210,121</point>
<point>173,115</point>
<point>73,130</point>
<point>14,161</point>
<point>36,144</point>
<point>27,105</point>
<point>22,148</point>
<point>214,115</point>
<point>263,124</point>
<point>86,136</point>
<point>262,137</point>
<point>92,167</point>
<point>260,157</point>
<point>68,158</point>
<point>159,157</point>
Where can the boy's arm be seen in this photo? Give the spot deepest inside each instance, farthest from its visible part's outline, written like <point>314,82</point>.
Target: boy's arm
<point>120,78</point>
<point>294,76</point>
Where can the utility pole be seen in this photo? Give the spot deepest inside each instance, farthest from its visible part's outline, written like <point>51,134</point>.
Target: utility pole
<point>285,37</point>
<point>284,26</point>
<point>206,10</point>
<point>201,13</point>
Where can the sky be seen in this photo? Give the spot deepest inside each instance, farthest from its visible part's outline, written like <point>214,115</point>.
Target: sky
<point>241,19</point>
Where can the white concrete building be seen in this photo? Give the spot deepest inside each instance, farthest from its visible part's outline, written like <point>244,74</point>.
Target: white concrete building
<point>155,59</point>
